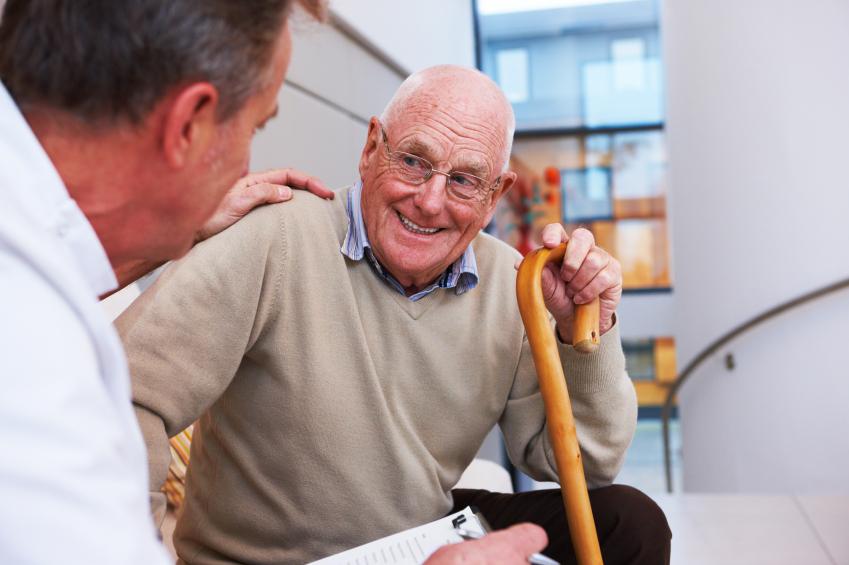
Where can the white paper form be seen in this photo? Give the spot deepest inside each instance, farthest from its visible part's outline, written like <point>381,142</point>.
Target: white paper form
<point>410,547</point>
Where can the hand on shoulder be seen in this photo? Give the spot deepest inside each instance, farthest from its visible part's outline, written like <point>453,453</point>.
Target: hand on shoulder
<point>257,189</point>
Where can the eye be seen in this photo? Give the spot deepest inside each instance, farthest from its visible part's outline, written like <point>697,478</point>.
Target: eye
<point>463,181</point>
<point>410,161</point>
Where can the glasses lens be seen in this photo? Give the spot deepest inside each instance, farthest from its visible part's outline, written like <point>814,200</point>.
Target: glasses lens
<point>466,186</point>
<point>410,168</point>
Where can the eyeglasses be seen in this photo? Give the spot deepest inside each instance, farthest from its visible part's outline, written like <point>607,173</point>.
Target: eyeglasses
<point>417,170</point>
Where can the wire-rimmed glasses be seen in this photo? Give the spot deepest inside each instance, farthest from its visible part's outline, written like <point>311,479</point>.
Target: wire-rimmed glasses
<point>416,170</point>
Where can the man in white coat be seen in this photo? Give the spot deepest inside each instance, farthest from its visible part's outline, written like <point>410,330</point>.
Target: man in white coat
<point>122,126</point>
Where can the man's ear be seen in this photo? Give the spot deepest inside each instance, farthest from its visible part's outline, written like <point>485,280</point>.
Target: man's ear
<point>189,124</point>
<point>508,179</point>
<point>371,146</point>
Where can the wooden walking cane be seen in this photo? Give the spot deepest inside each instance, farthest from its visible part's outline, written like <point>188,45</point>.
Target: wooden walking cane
<point>552,385</point>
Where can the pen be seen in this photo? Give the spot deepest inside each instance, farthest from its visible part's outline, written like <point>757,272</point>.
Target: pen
<point>534,559</point>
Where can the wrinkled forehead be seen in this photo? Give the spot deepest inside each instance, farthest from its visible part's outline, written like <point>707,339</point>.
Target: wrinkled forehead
<point>467,133</point>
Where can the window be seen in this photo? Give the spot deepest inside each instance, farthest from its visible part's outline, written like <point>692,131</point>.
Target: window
<point>612,183</point>
<point>585,81</point>
<point>512,72</point>
<point>574,63</point>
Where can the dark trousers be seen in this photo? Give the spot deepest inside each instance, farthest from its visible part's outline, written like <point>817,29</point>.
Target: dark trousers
<point>631,528</point>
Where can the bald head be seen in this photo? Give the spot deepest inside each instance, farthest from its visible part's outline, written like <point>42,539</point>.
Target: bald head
<point>433,169</point>
<point>460,90</point>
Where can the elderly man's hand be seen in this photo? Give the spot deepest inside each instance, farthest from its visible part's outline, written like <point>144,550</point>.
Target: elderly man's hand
<point>255,189</point>
<point>512,546</point>
<point>587,272</point>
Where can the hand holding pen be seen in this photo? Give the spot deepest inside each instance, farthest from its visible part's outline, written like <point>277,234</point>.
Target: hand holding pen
<point>512,546</point>
<point>533,559</point>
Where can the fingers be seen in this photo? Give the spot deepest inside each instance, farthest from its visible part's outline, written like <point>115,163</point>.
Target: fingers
<point>254,190</point>
<point>292,178</point>
<point>606,280</point>
<point>594,263</point>
<point>512,546</point>
<point>522,539</point>
<point>586,272</point>
<point>266,193</point>
<point>242,201</point>
<point>580,244</point>
<point>551,282</point>
<point>553,235</point>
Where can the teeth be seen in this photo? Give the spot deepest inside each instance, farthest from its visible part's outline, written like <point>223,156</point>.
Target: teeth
<point>414,227</point>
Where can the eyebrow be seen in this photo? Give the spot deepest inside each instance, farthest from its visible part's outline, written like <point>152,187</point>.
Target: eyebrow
<point>417,146</point>
<point>476,167</point>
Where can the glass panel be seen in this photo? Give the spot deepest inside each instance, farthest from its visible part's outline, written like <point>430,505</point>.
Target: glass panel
<point>641,248</point>
<point>613,184</point>
<point>639,175</point>
<point>621,93</point>
<point>639,164</point>
<point>574,63</point>
<point>512,67</point>
<point>586,194</point>
<point>598,150</point>
<point>639,359</point>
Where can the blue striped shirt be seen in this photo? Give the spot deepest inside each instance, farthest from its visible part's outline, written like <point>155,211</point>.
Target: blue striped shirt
<point>462,275</point>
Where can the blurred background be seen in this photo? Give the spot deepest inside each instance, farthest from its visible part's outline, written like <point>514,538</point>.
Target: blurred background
<point>704,142</point>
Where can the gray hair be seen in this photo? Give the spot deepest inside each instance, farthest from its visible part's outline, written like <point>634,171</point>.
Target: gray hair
<point>108,60</point>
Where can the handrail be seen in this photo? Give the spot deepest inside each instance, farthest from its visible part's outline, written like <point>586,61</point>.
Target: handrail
<point>716,345</point>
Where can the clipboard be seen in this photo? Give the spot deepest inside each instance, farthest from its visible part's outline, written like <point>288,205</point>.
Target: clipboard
<point>412,546</point>
<point>415,545</point>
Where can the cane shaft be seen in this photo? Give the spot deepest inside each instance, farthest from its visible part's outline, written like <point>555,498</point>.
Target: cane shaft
<point>552,384</point>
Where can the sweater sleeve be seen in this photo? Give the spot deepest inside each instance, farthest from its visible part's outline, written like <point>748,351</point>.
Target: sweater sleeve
<point>185,337</point>
<point>604,405</point>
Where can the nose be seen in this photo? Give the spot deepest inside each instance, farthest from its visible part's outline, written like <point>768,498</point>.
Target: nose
<point>430,198</point>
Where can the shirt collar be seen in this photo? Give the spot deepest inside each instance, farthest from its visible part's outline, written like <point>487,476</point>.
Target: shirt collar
<point>42,193</point>
<point>462,275</point>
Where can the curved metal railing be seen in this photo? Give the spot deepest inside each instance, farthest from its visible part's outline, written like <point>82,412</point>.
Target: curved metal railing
<point>718,344</point>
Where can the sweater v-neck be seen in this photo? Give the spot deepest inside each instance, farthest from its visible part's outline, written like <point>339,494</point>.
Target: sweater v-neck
<point>416,308</point>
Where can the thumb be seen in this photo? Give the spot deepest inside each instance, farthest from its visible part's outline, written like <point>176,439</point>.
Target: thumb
<point>265,193</point>
<point>284,193</point>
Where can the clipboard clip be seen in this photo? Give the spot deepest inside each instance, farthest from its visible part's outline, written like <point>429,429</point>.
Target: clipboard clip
<point>468,535</point>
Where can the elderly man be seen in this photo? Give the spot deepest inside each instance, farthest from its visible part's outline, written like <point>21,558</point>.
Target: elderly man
<point>346,359</point>
<point>123,126</point>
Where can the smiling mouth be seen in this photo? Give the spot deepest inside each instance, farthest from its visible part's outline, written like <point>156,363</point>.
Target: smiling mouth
<point>415,228</point>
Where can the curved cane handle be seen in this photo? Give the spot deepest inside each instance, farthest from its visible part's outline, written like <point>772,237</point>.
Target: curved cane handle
<point>585,331</point>
<point>555,396</point>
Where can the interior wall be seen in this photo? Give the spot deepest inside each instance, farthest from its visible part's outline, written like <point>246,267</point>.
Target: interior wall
<point>757,126</point>
<point>333,86</point>
<point>414,34</point>
<point>643,315</point>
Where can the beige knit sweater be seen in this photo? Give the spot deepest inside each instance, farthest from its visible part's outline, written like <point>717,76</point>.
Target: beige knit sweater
<point>333,410</point>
